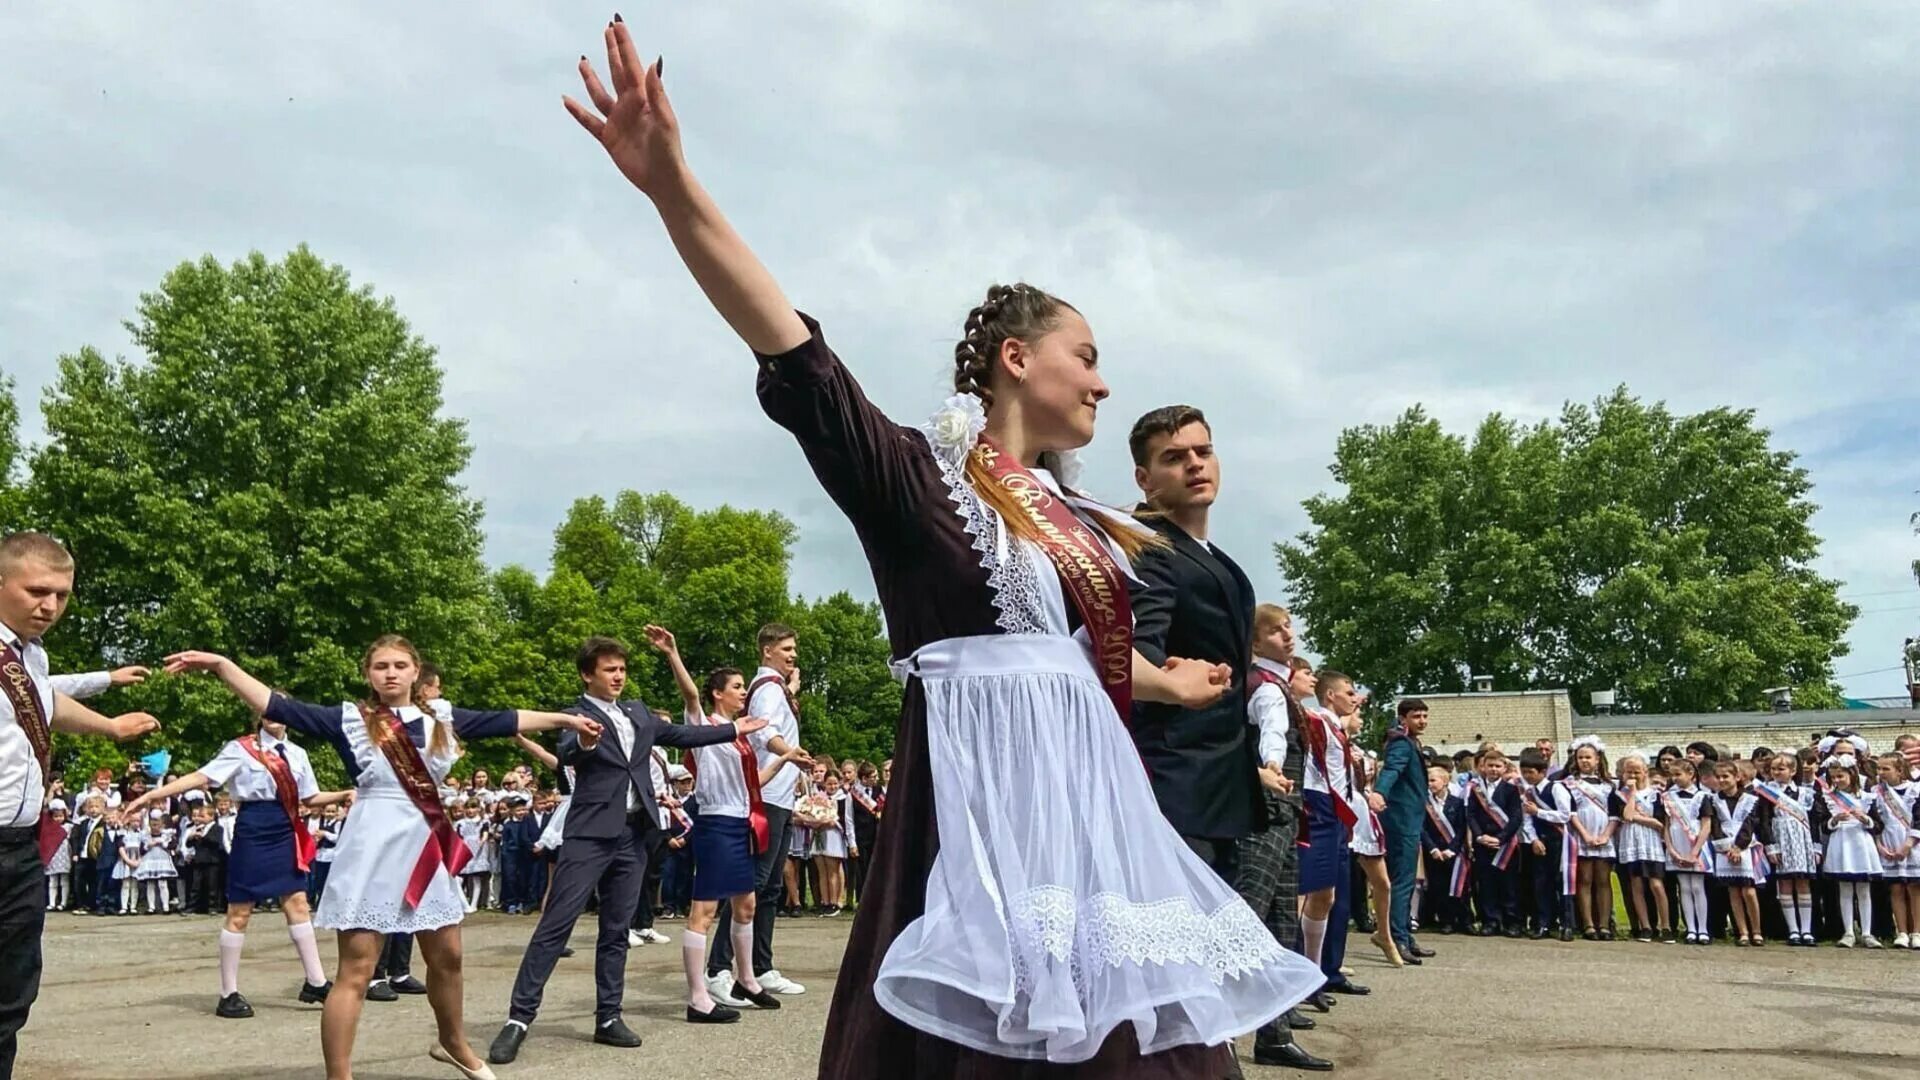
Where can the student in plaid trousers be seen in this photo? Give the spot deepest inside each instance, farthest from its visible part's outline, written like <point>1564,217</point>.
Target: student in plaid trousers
<point>1268,874</point>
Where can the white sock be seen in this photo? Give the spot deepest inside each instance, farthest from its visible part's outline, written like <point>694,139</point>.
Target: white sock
<point>309,950</point>
<point>1864,890</point>
<point>1686,905</point>
<point>1803,903</point>
<point>230,946</point>
<point>1789,911</point>
<point>1313,934</point>
<point>1846,907</point>
<point>743,956</point>
<point>693,956</point>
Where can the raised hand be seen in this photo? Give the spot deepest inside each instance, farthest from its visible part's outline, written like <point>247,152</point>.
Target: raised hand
<point>181,663</point>
<point>747,725</point>
<point>126,676</point>
<point>633,122</point>
<point>133,725</point>
<point>660,638</point>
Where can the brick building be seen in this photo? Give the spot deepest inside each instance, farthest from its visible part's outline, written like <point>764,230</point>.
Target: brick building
<point>1514,719</point>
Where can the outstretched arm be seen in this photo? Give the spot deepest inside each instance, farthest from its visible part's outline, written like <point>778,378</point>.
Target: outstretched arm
<point>635,124</point>
<point>663,642</point>
<point>76,719</point>
<point>537,752</point>
<point>193,781</point>
<point>244,686</point>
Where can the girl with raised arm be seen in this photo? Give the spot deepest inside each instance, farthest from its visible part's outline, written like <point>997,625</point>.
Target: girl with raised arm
<point>1057,925</point>
<point>395,869</point>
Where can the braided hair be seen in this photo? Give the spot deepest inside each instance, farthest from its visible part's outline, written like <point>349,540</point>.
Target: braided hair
<point>1025,313</point>
<point>1017,311</point>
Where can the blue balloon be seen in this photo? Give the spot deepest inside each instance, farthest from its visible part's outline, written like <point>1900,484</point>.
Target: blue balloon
<point>157,763</point>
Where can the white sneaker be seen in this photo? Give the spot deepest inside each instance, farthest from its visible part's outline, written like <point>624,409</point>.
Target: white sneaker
<point>1846,940</point>
<point>1902,941</point>
<point>634,940</point>
<point>775,983</point>
<point>1871,942</point>
<point>653,937</point>
<point>720,988</point>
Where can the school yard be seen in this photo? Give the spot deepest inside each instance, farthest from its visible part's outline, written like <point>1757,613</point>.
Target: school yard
<point>132,998</point>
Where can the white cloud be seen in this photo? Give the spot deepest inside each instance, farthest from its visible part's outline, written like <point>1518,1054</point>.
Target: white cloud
<point>1296,216</point>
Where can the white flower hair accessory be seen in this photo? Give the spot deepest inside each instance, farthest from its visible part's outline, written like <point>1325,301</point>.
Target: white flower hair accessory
<point>1589,740</point>
<point>954,429</point>
<point>1845,761</point>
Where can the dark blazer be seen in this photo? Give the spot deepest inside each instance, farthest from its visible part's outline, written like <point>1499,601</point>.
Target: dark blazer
<point>1203,762</point>
<point>1403,783</point>
<point>601,775</point>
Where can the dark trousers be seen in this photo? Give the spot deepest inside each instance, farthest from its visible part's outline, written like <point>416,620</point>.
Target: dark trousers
<point>1267,877</point>
<point>676,878</point>
<point>202,878</point>
<point>1333,952</point>
<point>1552,909</point>
<point>614,867</point>
<point>106,891</point>
<point>513,880</point>
<point>396,958</point>
<point>23,916</point>
<point>769,887</point>
<point>84,873</point>
<point>1403,865</point>
<point>1493,890</point>
<point>650,885</point>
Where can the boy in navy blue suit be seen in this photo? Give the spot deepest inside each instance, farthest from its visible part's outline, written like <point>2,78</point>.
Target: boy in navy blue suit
<point>1494,817</point>
<point>517,838</point>
<point>1547,805</point>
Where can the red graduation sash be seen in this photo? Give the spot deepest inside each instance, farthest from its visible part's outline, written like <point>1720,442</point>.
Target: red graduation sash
<point>1095,582</point>
<point>757,827</point>
<point>17,683</point>
<point>1891,800</point>
<point>1777,799</point>
<point>444,846</point>
<point>1439,818</point>
<point>1316,735</point>
<point>1675,813</point>
<point>1507,851</point>
<point>288,790</point>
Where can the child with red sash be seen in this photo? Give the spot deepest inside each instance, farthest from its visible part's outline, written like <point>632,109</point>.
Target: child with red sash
<point>1846,823</point>
<point>1783,820</point>
<point>1642,852</point>
<point>1899,852</point>
<point>1553,857</point>
<point>731,829</point>
<point>1596,817</point>
<point>1444,904</point>
<point>394,869</point>
<point>1685,814</point>
<point>272,782</point>
<point>1736,866</point>
<point>1494,817</point>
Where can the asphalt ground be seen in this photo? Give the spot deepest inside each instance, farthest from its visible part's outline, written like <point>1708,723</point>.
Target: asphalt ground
<point>133,998</point>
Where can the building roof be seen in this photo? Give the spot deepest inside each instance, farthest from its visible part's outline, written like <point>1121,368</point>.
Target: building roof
<point>1804,721</point>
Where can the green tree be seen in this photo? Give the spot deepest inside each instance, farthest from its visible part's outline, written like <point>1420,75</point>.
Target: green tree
<point>12,500</point>
<point>273,480</point>
<point>1621,547</point>
<point>849,701</point>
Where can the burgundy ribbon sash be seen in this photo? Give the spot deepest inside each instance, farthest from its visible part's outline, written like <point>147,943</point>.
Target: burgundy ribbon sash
<point>1316,734</point>
<point>17,684</point>
<point>757,828</point>
<point>1087,570</point>
<point>1696,851</point>
<point>1890,799</point>
<point>288,791</point>
<point>444,846</point>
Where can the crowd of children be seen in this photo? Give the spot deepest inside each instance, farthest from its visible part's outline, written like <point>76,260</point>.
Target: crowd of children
<point>1797,846</point>
<point>173,860</point>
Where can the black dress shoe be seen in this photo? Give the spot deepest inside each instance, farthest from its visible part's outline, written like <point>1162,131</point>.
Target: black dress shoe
<point>1415,950</point>
<point>566,951</point>
<point>1410,960</point>
<point>233,1007</point>
<point>314,995</point>
<point>380,990</point>
<point>1540,934</point>
<point>407,984</point>
<point>1348,986</point>
<point>1566,933</point>
<point>759,999</point>
<point>1514,932</point>
<point>1290,1056</point>
<point>1489,930</point>
<point>1319,1000</point>
<point>615,1032</point>
<point>1299,1021</point>
<point>720,1015</point>
<point>506,1045</point>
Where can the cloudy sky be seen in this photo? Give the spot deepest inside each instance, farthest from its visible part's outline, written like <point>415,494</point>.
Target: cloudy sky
<point>1295,215</point>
